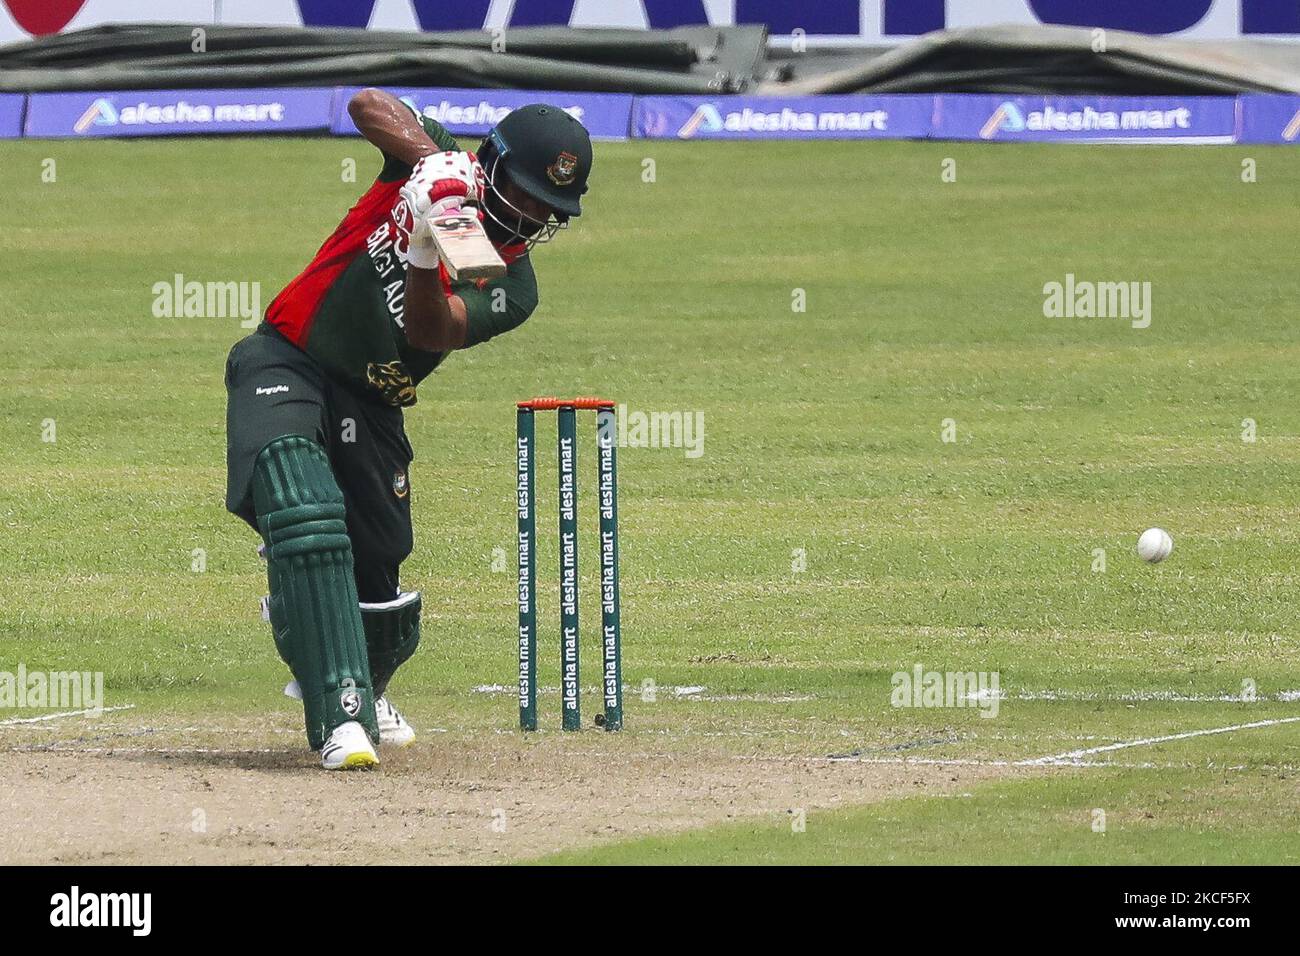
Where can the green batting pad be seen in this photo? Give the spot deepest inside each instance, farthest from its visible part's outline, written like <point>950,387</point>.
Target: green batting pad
<point>314,613</point>
<point>392,634</point>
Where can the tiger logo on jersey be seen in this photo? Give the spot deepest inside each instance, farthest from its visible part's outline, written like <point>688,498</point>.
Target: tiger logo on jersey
<point>393,381</point>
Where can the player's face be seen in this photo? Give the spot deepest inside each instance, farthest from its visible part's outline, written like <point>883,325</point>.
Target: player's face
<point>536,213</point>
<point>515,216</point>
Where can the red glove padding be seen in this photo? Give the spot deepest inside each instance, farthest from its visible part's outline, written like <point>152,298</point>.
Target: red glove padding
<point>442,181</point>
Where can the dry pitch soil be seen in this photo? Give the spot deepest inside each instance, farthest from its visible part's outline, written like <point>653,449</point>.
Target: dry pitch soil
<point>123,791</point>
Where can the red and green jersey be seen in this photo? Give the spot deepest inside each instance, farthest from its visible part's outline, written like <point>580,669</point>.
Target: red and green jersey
<point>345,308</point>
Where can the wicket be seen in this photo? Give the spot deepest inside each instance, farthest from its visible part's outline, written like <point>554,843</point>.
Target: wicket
<point>611,639</point>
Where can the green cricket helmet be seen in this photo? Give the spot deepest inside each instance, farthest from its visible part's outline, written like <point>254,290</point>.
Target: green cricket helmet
<point>544,152</point>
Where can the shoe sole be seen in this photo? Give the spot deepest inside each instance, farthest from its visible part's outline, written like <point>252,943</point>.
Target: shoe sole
<point>397,744</point>
<point>357,761</point>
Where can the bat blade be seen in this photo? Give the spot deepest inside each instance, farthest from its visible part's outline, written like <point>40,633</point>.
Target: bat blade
<point>464,246</point>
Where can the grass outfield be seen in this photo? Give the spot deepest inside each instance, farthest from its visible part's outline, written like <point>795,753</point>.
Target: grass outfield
<point>924,302</point>
<point>1165,816</point>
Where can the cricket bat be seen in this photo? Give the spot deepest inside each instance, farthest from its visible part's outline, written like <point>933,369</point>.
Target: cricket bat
<point>464,247</point>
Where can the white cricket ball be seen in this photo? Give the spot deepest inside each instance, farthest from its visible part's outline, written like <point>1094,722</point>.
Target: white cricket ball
<point>1155,545</point>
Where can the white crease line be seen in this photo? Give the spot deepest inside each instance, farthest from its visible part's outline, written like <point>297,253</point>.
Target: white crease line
<point>88,712</point>
<point>959,762</point>
<point>748,698</point>
<point>1136,697</point>
<point>923,761</point>
<point>1074,755</point>
<point>697,693</point>
<point>691,693</point>
<point>594,688</point>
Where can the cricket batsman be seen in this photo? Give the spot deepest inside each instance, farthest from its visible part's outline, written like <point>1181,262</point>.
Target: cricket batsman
<point>317,457</point>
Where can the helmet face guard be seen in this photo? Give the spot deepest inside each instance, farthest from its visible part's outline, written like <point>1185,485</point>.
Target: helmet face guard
<point>524,228</point>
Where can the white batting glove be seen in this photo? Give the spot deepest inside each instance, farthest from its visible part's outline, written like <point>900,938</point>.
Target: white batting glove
<point>440,183</point>
<point>421,250</point>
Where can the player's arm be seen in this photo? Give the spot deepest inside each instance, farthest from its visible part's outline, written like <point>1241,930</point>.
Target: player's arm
<point>498,306</point>
<point>435,320</point>
<point>389,124</point>
<point>478,313</point>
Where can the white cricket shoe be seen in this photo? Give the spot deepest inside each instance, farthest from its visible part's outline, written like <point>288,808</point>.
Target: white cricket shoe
<point>348,748</point>
<point>394,731</point>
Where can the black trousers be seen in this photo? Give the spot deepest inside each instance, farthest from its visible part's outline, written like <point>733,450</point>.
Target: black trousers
<point>274,388</point>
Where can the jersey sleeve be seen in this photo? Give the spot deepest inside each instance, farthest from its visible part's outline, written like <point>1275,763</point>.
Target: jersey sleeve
<point>499,305</point>
<point>395,169</point>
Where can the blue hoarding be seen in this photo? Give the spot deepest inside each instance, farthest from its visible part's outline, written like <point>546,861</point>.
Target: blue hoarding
<point>1087,119</point>
<point>474,112</point>
<point>171,112</point>
<point>1269,119</point>
<point>783,117</point>
<point>11,115</point>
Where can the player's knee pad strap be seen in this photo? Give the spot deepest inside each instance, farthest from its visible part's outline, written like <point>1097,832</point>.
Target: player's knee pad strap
<point>392,635</point>
<point>314,611</point>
